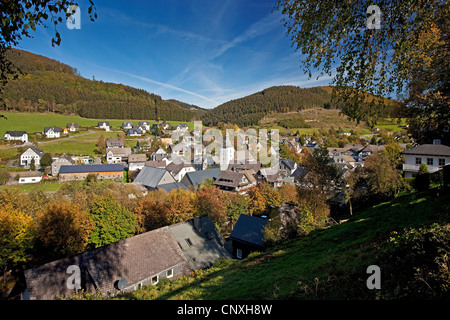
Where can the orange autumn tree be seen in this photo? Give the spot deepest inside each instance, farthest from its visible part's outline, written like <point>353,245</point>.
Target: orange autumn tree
<point>151,212</point>
<point>62,230</point>
<point>180,205</point>
<point>256,202</point>
<point>212,202</point>
<point>15,237</point>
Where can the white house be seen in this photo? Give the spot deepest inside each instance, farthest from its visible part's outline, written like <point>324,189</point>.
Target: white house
<point>104,125</point>
<point>127,125</point>
<point>182,127</point>
<point>145,125</point>
<point>179,170</point>
<point>31,153</point>
<point>64,160</point>
<point>136,161</point>
<point>72,127</point>
<point>117,155</point>
<point>434,156</point>
<point>52,132</point>
<point>16,136</point>
<point>29,176</point>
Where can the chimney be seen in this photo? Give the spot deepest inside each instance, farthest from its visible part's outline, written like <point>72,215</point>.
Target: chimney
<point>197,223</point>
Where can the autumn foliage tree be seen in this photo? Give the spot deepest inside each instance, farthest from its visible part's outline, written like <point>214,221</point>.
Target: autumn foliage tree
<point>15,237</point>
<point>111,221</point>
<point>212,202</point>
<point>63,229</point>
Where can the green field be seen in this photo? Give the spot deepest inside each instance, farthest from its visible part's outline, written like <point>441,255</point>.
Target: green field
<point>26,188</point>
<point>35,122</point>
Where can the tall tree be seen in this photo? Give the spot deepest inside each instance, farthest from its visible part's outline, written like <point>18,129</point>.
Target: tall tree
<point>112,222</point>
<point>406,51</point>
<point>15,237</point>
<point>63,230</point>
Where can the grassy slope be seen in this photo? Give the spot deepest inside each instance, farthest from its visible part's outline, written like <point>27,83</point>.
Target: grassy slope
<point>35,122</point>
<point>304,268</point>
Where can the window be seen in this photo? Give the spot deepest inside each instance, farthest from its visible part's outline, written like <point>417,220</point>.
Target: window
<point>441,162</point>
<point>155,279</point>
<point>239,253</point>
<point>429,161</point>
<point>437,141</point>
<point>418,160</point>
<point>208,235</point>
<point>169,273</point>
<point>188,241</point>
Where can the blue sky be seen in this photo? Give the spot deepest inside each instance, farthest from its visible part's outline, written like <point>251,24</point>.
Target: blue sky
<point>200,52</point>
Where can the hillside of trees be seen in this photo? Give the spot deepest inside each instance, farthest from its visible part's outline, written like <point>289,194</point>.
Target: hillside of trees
<point>251,109</point>
<point>46,85</point>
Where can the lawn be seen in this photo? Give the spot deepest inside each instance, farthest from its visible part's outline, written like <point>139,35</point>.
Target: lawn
<point>35,122</point>
<point>28,187</point>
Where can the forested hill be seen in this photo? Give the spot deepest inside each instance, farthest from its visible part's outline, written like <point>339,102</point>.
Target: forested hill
<point>49,85</point>
<point>251,109</point>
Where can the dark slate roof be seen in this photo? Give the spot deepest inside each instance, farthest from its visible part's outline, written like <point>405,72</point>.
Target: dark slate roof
<point>206,243</point>
<point>289,163</point>
<point>197,177</point>
<point>72,124</point>
<point>151,176</point>
<point>172,186</point>
<point>56,129</point>
<point>249,229</point>
<point>37,150</point>
<point>16,133</point>
<point>229,179</point>
<point>429,150</point>
<point>82,168</point>
<point>136,258</point>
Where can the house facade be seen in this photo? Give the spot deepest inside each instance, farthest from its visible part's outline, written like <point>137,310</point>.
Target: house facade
<point>30,154</point>
<point>64,160</point>
<point>247,235</point>
<point>16,136</point>
<point>52,132</point>
<point>136,161</point>
<point>230,181</point>
<point>122,266</point>
<point>72,127</point>
<point>80,172</point>
<point>104,125</point>
<point>29,176</point>
<point>434,156</point>
<point>117,155</point>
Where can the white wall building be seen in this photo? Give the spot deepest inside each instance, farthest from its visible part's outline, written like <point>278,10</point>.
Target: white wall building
<point>434,156</point>
<point>31,153</point>
<point>226,156</point>
<point>16,136</point>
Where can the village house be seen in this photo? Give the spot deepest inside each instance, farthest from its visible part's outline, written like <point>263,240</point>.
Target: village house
<point>153,178</point>
<point>368,151</point>
<point>178,170</point>
<point>247,236</point>
<point>434,156</point>
<point>271,176</point>
<point>194,179</point>
<point>200,241</point>
<point>52,132</point>
<point>159,155</point>
<point>127,125</point>
<point>145,125</point>
<point>114,143</point>
<point>16,136</point>
<point>80,172</point>
<point>144,259</point>
<point>72,127</point>
<point>182,127</point>
<point>64,160</point>
<point>136,161</point>
<point>27,176</point>
<point>30,154</point>
<point>117,155</point>
<point>231,181</point>
<point>165,253</point>
<point>104,125</point>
